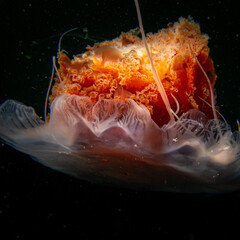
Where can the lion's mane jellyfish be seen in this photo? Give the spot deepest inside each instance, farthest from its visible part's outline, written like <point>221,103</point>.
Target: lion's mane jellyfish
<point>134,113</point>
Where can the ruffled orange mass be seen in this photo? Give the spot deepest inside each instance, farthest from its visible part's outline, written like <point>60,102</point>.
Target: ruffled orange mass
<point>121,69</point>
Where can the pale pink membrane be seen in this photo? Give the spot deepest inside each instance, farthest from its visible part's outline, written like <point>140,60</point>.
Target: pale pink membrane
<point>116,142</point>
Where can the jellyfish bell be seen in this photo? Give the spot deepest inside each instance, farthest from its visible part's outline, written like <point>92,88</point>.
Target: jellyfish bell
<point>136,113</point>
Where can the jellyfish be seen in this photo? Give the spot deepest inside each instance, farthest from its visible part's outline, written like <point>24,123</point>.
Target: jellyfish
<point>133,112</point>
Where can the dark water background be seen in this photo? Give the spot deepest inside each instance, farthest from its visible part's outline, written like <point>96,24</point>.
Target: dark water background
<point>36,199</point>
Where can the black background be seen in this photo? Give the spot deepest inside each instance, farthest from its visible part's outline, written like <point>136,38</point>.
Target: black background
<point>39,203</point>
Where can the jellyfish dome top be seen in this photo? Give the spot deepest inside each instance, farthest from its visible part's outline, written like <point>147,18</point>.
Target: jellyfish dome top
<point>135,113</point>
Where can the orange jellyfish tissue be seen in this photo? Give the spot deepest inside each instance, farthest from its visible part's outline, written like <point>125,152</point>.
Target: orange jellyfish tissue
<point>111,123</point>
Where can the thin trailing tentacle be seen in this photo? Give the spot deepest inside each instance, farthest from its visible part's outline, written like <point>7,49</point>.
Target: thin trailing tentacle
<point>156,77</point>
<point>211,91</point>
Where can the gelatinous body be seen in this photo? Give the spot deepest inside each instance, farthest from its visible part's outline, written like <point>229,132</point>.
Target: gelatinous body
<point>108,123</point>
